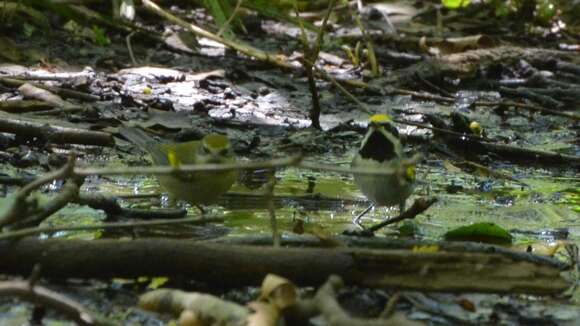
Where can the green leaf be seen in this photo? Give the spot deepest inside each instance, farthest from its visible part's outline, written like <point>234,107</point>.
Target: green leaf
<point>100,38</point>
<point>454,4</point>
<point>221,11</point>
<point>480,232</point>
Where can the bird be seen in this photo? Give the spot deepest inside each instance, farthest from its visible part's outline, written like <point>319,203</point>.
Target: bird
<point>462,124</point>
<point>196,188</point>
<point>381,149</point>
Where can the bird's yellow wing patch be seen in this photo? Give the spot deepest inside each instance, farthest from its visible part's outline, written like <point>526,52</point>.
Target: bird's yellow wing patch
<point>174,161</point>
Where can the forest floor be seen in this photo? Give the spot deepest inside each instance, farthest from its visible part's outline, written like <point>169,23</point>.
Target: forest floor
<point>526,182</point>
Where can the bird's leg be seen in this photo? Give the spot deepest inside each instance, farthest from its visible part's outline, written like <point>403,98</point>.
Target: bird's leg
<point>357,219</point>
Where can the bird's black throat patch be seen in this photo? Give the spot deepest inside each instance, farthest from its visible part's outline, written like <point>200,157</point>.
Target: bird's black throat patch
<point>378,148</point>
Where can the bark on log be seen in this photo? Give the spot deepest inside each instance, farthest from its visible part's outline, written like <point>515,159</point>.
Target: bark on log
<point>247,265</point>
<point>14,124</point>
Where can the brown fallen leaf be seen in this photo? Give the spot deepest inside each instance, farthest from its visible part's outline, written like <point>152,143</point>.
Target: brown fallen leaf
<point>278,291</point>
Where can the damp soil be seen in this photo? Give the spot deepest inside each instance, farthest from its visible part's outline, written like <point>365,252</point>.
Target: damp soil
<point>265,112</point>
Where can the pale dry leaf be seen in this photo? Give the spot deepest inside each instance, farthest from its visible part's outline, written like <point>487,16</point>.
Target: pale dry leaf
<point>278,291</point>
<point>265,314</point>
<point>190,318</point>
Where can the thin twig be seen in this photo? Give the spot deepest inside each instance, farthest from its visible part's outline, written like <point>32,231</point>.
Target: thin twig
<point>344,91</point>
<point>272,209</point>
<point>360,171</point>
<point>38,230</point>
<point>309,62</point>
<point>13,82</point>
<point>41,295</point>
<point>462,136</point>
<point>68,194</point>
<point>230,19</point>
<point>419,206</point>
<point>20,207</point>
<point>371,56</point>
<point>18,125</point>
<point>276,163</point>
<point>160,170</point>
<point>243,48</point>
<point>130,48</point>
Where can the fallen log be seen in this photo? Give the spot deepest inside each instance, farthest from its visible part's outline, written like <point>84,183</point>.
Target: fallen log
<point>247,265</point>
<point>20,126</point>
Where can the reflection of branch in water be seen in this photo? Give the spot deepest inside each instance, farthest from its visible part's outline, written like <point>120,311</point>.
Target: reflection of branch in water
<point>314,202</point>
<point>32,231</point>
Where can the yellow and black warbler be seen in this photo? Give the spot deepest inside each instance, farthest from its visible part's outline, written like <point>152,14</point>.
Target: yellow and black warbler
<point>382,149</point>
<point>462,124</point>
<point>197,188</point>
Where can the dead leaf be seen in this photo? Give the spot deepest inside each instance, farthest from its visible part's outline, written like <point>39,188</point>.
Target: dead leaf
<point>323,235</point>
<point>264,314</point>
<point>32,92</point>
<point>190,318</point>
<point>278,291</point>
<point>466,304</point>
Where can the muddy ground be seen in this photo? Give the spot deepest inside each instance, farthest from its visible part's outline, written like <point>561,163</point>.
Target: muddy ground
<point>178,94</point>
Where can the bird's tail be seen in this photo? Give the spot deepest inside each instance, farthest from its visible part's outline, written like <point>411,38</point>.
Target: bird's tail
<point>147,143</point>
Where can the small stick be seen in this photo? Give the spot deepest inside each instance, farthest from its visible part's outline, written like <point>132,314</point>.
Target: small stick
<point>242,48</point>
<point>161,170</point>
<point>234,14</point>
<point>130,48</point>
<point>57,90</point>
<point>272,209</point>
<point>60,135</point>
<point>20,208</point>
<point>43,296</point>
<point>419,206</point>
<point>276,163</point>
<point>32,231</point>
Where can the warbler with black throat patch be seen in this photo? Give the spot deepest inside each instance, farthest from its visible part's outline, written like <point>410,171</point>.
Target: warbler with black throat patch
<point>381,149</point>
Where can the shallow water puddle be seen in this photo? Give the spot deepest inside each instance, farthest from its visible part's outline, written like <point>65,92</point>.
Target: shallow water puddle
<point>330,201</point>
